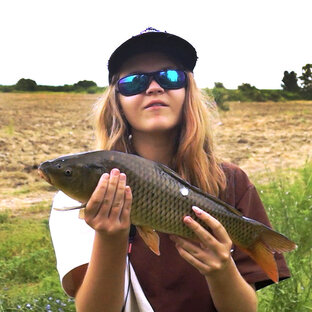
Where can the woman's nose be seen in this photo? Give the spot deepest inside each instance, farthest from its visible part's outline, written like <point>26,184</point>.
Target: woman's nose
<point>154,87</point>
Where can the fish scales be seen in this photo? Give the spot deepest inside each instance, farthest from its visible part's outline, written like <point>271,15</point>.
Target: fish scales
<point>161,199</point>
<point>158,202</point>
<point>163,207</point>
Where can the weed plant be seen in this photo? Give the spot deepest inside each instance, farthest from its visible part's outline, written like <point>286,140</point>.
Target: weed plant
<point>288,201</point>
<point>29,281</point>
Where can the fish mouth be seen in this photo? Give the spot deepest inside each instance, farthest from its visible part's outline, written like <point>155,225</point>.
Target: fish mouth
<point>44,175</point>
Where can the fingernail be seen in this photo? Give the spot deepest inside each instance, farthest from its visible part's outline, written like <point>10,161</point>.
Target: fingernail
<point>122,177</point>
<point>197,210</point>
<point>188,220</point>
<point>105,176</point>
<point>115,172</point>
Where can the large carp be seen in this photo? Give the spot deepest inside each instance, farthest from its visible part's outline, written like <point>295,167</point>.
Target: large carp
<point>161,199</point>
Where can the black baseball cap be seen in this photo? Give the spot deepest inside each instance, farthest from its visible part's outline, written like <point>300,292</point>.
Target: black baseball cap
<point>153,40</point>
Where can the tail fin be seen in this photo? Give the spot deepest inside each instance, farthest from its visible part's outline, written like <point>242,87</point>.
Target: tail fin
<point>263,249</point>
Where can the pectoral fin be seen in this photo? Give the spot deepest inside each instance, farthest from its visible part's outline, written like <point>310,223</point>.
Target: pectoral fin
<point>70,208</point>
<point>81,211</point>
<point>150,237</point>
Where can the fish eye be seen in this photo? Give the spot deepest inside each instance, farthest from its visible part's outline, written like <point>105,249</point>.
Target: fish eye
<point>68,172</point>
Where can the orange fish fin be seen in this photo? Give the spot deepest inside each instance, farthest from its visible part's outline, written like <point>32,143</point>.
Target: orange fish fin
<point>264,258</point>
<point>277,242</point>
<point>263,249</point>
<point>150,238</point>
<point>81,213</point>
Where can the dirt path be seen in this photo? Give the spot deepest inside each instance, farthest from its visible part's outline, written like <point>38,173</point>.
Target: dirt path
<point>40,126</point>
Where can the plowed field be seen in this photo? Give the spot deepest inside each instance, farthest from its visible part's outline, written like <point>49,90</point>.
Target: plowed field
<point>35,127</point>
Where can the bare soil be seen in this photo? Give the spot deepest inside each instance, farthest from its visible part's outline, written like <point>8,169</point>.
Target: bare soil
<point>266,136</point>
<point>35,127</point>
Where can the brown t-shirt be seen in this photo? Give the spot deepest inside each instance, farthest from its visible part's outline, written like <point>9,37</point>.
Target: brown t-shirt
<point>171,284</point>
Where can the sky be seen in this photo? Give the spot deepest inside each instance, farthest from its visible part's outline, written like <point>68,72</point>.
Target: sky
<point>57,42</point>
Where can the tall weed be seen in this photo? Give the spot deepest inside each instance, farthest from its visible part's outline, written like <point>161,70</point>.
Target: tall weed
<point>289,204</point>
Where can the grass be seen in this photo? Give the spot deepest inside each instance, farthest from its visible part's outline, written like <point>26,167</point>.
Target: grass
<point>28,277</point>
<point>288,201</point>
<point>29,280</point>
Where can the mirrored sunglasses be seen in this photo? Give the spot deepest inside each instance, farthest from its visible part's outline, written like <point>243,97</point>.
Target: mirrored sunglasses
<point>136,83</point>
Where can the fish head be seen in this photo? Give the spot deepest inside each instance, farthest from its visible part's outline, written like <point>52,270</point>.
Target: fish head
<point>72,175</point>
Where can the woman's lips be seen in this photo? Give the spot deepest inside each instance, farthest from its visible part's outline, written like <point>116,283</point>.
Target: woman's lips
<point>155,104</point>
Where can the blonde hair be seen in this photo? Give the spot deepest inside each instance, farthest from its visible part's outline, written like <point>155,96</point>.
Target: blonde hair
<point>194,160</point>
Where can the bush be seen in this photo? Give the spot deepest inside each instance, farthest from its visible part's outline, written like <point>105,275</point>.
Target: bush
<point>220,95</point>
<point>26,85</point>
<point>251,93</point>
<point>219,85</point>
<point>84,84</point>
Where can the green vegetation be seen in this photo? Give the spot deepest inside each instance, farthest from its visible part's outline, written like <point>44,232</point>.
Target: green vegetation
<point>244,93</point>
<point>28,277</point>
<point>29,85</point>
<point>29,281</point>
<point>290,81</point>
<point>288,200</point>
<point>248,93</point>
<point>26,85</point>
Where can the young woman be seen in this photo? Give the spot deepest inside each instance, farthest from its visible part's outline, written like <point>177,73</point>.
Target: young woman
<point>153,108</point>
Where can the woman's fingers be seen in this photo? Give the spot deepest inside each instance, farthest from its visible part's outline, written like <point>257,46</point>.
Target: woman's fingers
<point>212,253</point>
<point>96,200</point>
<point>218,231</point>
<point>192,255</point>
<point>108,210</point>
<point>110,196</point>
<point>187,245</point>
<point>116,193</point>
<point>125,215</point>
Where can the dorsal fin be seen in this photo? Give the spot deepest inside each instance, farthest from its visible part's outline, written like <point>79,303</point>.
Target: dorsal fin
<point>198,190</point>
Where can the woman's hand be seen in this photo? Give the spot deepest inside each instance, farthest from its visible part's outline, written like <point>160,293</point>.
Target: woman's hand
<point>212,257</point>
<point>213,253</point>
<point>108,213</point>
<point>108,210</point>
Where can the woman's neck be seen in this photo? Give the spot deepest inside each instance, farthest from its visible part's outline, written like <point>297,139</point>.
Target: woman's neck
<point>158,147</point>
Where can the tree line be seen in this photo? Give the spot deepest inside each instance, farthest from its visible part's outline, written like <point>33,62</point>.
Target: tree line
<point>29,85</point>
<point>293,88</point>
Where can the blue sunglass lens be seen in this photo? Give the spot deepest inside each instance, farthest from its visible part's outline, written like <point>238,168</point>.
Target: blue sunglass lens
<point>171,79</point>
<point>167,79</point>
<point>133,84</point>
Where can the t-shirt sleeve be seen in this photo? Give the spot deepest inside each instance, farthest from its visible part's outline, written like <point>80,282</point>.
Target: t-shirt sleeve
<point>72,238</point>
<point>248,202</point>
